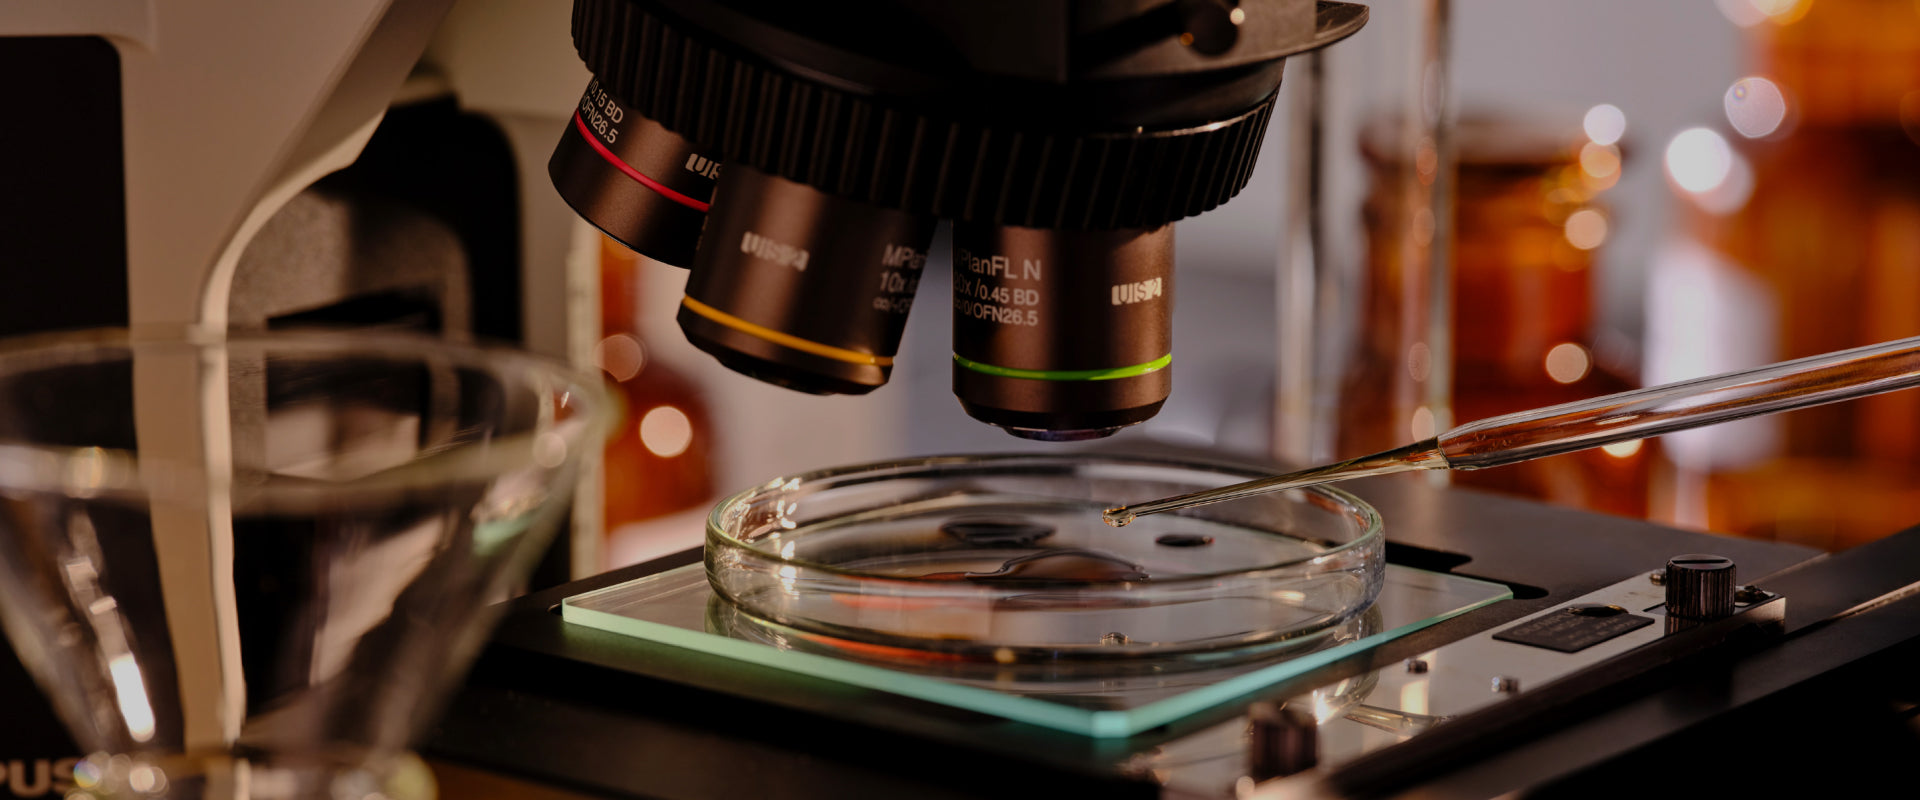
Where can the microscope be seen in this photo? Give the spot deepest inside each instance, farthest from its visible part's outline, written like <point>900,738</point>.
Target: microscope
<point>371,163</point>
<point>798,162</point>
<point>229,165</point>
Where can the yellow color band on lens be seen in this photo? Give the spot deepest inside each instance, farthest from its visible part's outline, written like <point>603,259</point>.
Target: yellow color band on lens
<point>784,340</point>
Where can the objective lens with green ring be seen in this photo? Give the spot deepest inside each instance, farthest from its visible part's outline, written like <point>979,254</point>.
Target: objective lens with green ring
<point>1062,335</point>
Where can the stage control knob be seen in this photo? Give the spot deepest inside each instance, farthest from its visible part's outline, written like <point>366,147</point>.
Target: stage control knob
<point>1285,740</point>
<point>1700,587</point>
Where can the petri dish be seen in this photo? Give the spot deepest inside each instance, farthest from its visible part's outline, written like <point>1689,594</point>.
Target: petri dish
<point>1004,559</point>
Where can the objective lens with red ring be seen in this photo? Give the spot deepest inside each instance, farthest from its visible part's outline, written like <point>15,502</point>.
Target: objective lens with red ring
<point>642,184</point>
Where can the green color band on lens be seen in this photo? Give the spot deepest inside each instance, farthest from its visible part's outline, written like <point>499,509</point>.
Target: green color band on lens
<point>1065,374</point>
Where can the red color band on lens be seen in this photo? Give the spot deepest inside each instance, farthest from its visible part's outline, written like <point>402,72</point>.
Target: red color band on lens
<point>634,173</point>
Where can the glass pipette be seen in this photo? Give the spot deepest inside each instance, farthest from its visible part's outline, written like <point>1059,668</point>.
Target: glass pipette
<point>1623,417</point>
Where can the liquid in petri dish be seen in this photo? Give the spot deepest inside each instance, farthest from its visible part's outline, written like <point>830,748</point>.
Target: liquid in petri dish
<point>1058,543</point>
<point>1054,566</point>
<point>1037,577</point>
<point>986,530</point>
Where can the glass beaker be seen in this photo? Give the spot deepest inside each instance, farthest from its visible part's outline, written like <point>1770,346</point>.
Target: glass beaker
<point>252,566</point>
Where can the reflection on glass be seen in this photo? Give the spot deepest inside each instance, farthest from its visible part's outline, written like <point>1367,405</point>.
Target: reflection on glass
<point>131,694</point>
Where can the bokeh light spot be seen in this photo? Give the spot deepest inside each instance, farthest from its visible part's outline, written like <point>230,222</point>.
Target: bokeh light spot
<point>1755,106</point>
<point>1568,362</point>
<point>1586,229</point>
<point>1699,159</point>
<point>621,356</point>
<point>1622,449</point>
<point>1599,160</point>
<point>1421,425</point>
<point>666,431</point>
<point>1605,124</point>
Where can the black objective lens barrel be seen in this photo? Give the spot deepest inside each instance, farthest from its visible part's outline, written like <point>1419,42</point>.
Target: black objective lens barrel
<point>640,183</point>
<point>800,288</point>
<point>1062,335</point>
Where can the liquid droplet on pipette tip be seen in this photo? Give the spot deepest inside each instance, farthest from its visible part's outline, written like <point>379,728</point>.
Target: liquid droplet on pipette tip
<point>1116,517</point>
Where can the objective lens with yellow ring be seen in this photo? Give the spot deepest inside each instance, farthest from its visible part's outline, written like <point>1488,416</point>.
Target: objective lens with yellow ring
<point>802,289</point>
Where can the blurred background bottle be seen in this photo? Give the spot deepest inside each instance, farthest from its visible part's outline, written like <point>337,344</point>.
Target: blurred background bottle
<point>1801,235</point>
<point>658,467</point>
<point>1526,227</point>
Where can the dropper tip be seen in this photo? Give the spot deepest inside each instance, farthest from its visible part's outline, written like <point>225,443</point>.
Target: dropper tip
<point>1117,517</point>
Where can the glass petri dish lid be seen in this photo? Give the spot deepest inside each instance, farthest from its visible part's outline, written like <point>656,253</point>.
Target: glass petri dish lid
<point>1005,558</point>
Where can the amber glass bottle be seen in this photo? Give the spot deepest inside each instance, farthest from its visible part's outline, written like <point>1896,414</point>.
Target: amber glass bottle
<point>1526,228</point>
<point>1827,246</point>
<point>658,466</point>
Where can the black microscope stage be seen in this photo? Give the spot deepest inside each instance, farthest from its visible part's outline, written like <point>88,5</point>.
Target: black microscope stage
<point>598,713</point>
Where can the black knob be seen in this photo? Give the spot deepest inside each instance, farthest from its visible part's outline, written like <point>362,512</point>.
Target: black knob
<point>1700,586</point>
<point>1211,26</point>
<point>1286,740</point>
